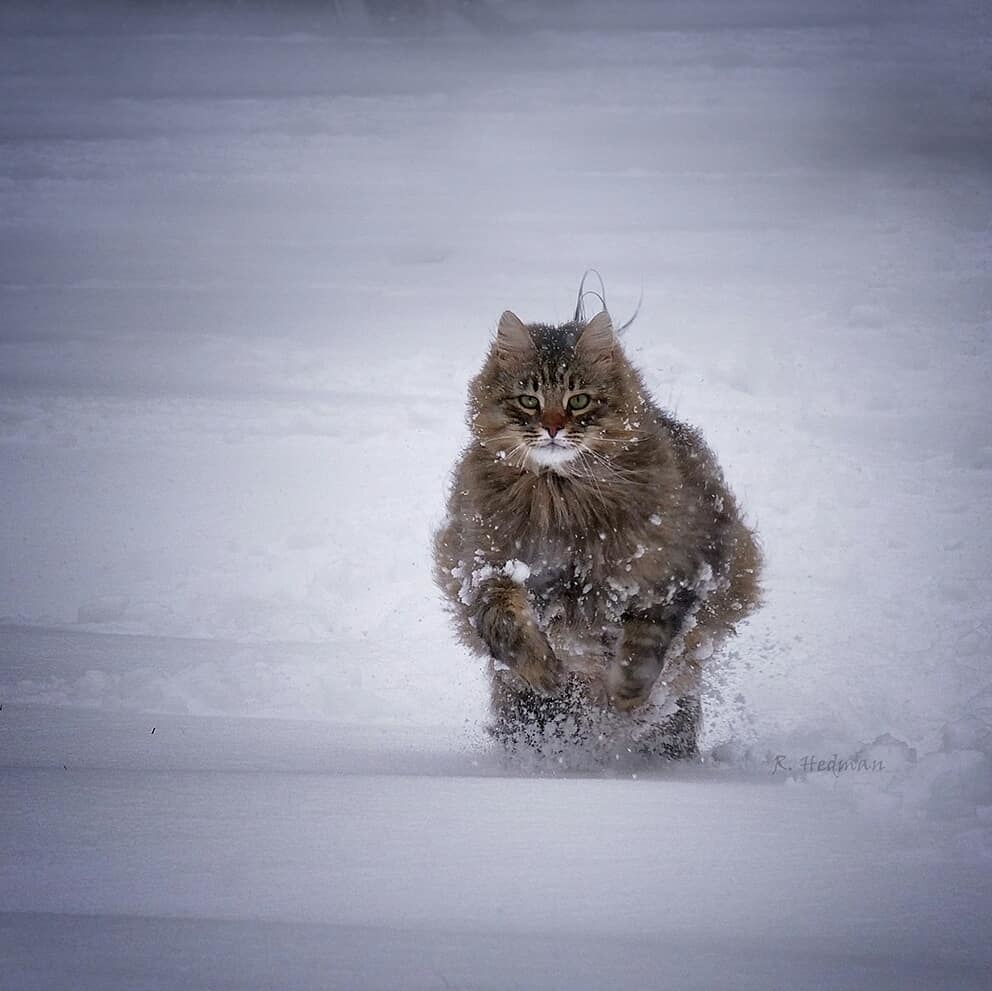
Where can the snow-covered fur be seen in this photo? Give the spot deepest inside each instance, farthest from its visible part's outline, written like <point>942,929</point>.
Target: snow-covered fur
<point>591,549</point>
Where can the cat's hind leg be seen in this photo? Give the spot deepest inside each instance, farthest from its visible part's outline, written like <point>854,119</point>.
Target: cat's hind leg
<point>671,737</point>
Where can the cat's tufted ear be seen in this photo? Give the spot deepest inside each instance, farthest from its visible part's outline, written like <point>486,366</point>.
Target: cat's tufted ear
<point>513,340</point>
<point>597,340</point>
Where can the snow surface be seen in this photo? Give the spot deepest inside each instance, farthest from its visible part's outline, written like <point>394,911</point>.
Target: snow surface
<point>250,257</point>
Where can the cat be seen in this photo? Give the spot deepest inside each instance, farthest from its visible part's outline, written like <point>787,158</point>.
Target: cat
<point>591,548</point>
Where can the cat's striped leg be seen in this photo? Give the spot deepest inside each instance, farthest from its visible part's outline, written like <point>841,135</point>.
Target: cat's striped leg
<point>504,619</point>
<point>647,635</point>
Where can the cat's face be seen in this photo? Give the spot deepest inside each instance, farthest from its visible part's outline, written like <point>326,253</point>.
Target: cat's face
<point>549,397</point>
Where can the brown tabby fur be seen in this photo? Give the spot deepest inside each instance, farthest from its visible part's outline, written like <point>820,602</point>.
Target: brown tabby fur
<point>594,585</point>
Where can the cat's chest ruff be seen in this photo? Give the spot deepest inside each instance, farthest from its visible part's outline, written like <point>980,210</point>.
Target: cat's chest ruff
<point>553,507</point>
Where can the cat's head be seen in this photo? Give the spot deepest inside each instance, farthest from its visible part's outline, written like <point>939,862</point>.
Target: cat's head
<point>553,398</point>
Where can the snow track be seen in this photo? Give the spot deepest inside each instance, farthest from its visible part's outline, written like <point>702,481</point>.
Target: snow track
<point>295,854</point>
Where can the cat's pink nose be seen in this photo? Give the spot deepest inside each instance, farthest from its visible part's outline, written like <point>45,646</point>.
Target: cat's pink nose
<point>552,421</point>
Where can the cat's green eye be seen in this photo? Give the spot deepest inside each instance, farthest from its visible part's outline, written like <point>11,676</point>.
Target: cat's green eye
<point>578,401</point>
<point>529,402</point>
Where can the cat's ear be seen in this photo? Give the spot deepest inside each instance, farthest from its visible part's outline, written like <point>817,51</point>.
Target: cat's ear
<point>597,340</point>
<point>513,340</point>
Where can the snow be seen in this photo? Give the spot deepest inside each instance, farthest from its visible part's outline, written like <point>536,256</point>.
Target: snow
<point>339,859</point>
<point>516,571</point>
<point>249,261</point>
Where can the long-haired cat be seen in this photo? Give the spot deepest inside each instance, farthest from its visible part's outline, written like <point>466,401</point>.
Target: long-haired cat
<point>592,550</point>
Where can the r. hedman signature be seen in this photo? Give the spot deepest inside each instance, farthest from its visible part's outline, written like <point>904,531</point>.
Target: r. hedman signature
<point>810,764</point>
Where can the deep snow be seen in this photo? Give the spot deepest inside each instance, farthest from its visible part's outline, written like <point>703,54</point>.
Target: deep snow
<point>249,259</point>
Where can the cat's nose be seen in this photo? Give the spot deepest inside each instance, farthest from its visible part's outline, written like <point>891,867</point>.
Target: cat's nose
<point>552,421</point>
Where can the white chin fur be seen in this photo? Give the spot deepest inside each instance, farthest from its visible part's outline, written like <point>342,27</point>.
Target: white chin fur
<point>552,457</point>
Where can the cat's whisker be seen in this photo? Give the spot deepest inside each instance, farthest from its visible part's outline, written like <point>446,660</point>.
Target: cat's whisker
<point>616,440</point>
<point>515,455</point>
<point>590,476</point>
<point>617,471</point>
<point>611,456</point>
<point>513,452</point>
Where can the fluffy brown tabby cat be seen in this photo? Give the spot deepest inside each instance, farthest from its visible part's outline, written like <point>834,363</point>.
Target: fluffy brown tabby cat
<point>592,549</point>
